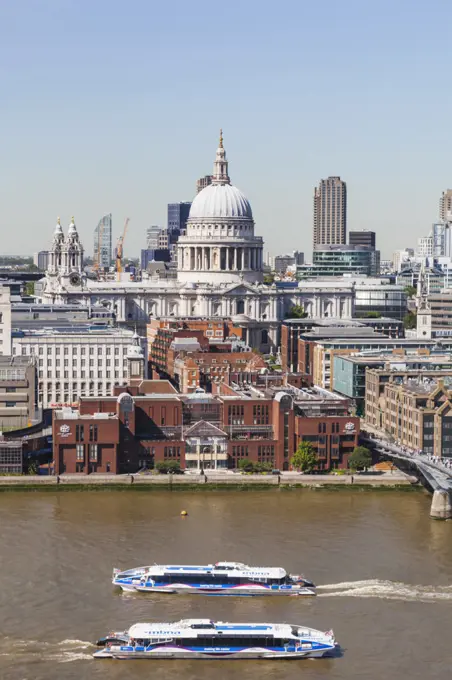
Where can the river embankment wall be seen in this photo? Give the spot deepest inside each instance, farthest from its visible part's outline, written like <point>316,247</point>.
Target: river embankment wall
<point>206,482</point>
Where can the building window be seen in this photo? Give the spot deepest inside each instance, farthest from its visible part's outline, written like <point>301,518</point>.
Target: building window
<point>80,452</point>
<point>79,433</point>
<point>10,404</point>
<point>93,433</point>
<point>93,452</point>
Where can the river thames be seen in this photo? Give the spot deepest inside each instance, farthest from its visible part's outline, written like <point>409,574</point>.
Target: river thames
<point>384,571</point>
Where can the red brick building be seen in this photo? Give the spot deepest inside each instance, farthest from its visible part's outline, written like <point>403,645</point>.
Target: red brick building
<point>151,422</point>
<point>162,332</point>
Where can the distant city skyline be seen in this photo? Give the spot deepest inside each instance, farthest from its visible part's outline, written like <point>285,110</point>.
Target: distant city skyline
<point>289,120</point>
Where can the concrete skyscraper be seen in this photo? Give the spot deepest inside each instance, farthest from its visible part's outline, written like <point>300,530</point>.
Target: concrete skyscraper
<point>102,251</point>
<point>330,212</point>
<point>203,182</point>
<point>445,206</point>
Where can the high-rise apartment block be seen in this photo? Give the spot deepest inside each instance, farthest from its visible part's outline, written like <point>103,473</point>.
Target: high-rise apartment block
<point>330,212</point>
<point>445,206</point>
<point>41,260</point>
<point>102,251</point>
<point>203,182</point>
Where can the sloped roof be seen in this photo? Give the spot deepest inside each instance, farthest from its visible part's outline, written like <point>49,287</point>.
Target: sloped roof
<point>204,429</point>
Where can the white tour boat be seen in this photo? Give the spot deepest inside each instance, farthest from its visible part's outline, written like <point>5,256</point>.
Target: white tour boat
<point>222,578</point>
<point>202,638</point>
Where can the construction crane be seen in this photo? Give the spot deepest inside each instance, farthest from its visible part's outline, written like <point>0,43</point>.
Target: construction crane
<point>120,249</point>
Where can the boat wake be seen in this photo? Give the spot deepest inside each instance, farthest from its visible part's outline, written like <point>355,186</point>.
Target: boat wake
<point>35,650</point>
<point>386,590</point>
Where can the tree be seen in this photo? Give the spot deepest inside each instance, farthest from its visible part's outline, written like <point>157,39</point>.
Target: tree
<point>32,468</point>
<point>410,291</point>
<point>304,459</point>
<point>373,315</point>
<point>410,320</point>
<point>268,279</point>
<point>166,467</point>
<point>360,458</point>
<point>262,467</point>
<point>30,288</point>
<point>296,312</point>
<point>246,465</point>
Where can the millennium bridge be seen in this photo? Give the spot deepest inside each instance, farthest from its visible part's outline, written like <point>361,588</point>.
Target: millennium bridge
<point>432,473</point>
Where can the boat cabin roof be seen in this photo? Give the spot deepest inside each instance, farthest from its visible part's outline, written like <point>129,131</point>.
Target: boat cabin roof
<point>196,627</point>
<point>219,568</point>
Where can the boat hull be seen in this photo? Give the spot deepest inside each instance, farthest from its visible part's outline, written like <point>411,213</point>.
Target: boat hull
<point>174,653</point>
<point>234,591</point>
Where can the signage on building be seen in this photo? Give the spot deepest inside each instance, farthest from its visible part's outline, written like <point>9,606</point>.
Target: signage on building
<point>65,430</point>
<point>349,427</point>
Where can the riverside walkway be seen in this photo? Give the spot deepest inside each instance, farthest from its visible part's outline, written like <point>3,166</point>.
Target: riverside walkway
<point>436,475</point>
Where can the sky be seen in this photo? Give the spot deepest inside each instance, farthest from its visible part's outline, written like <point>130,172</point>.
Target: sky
<point>115,106</point>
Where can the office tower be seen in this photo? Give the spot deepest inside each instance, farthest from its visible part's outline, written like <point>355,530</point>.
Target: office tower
<point>441,239</point>
<point>102,252</point>
<point>41,260</point>
<point>164,239</point>
<point>330,212</point>
<point>362,237</point>
<point>152,236</point>
<point>425,246</point>
<point>445,206</point>
<point>177,217</point>
<point>203,182</point>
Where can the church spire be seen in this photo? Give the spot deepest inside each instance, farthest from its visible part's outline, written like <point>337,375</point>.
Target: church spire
<point>220,168</point>
<point>58,233</point>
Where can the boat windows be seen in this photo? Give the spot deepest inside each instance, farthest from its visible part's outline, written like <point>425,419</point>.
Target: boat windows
<point>228,641</point>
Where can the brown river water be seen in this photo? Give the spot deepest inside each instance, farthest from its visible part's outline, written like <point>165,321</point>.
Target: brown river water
<point>383,567</point>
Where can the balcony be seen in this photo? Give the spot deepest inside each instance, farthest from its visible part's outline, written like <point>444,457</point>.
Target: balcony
<point>247,432</point>
<point>161,433</point>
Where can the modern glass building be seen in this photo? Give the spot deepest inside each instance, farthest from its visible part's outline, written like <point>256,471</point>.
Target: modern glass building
<point>337,260</point>
<point>177,217</point>
<point>385,299</point>
<point>102,251</point>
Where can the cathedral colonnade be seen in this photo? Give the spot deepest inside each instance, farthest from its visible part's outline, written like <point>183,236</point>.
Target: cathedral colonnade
<point>220,258</point>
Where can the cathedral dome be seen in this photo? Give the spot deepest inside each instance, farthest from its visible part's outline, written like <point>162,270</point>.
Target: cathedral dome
<point>220,200</point>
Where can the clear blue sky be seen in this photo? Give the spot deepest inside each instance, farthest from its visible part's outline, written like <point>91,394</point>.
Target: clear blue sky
<point>110,106</point>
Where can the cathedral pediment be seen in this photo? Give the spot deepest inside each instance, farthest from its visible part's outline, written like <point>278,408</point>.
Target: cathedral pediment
<point>240,289</point>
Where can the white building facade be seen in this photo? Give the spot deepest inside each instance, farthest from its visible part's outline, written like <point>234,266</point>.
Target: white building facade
<point>220,273</point>
<point>80,362</point>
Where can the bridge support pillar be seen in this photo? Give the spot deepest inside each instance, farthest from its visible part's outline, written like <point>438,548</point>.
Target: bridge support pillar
<point>441,505</point>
